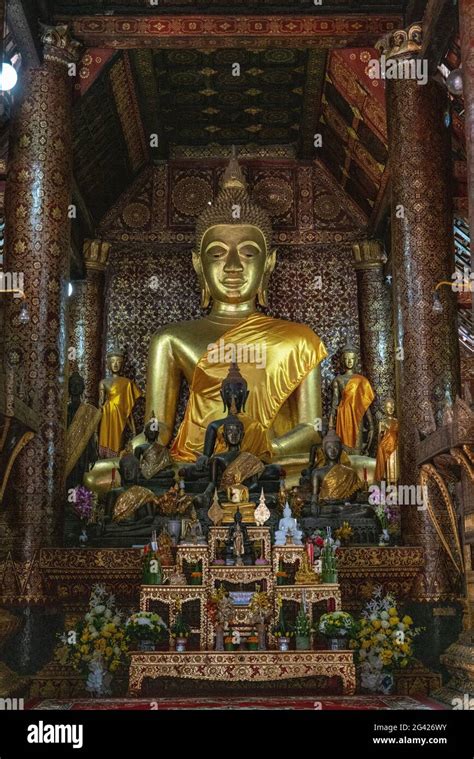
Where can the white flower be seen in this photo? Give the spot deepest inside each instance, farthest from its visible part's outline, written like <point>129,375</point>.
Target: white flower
<point>116,619</point>
<point>385,624</point>
<point>99,609</point>
<point>384,615</point>
<point>401,626</point>
<point>108,614</point>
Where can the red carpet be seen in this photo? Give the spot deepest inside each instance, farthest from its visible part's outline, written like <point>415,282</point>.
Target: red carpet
<point>342,703</point>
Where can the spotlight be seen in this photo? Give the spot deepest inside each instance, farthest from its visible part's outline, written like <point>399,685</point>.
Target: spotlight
<point>8,77</point>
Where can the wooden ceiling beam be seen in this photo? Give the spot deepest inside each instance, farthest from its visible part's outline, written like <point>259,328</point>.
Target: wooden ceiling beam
<point>25,34</point>
<point>439,25</point>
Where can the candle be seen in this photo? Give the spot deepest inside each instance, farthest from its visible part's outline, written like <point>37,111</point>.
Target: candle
<point>310,552</point>
<point>365,474</point>
<point>113,474</point>
<point>331,604</point>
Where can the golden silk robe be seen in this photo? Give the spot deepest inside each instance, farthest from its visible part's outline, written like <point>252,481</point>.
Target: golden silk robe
<point>121,398</point>
<point>356,399</point>
<point>387,452</point>
<point>339,483</point>
<point>291,352</point>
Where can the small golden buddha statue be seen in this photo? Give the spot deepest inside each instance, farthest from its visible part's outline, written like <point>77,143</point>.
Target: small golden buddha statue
<point>238,493</point>
<point>117,397</point>
<point>234,260</point>
<point>352,395</point>
<point>305,574</point>
<point>386,467</point>
<point>334,481</point>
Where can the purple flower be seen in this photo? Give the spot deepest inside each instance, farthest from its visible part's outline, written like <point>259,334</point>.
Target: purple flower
<point>83,503</point>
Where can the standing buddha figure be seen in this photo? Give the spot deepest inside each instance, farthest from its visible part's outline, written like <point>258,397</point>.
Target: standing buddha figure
<point>352,395</point>
<point>386,467</point>
<point>117,397</point>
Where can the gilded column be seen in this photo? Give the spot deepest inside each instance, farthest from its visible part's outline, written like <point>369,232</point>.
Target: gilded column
<point>37,245</point>
<point>427,350</point>
<point>86,318</point>
<point>374,298</point>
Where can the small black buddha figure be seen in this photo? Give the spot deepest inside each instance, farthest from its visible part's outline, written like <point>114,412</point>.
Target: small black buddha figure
<point>234,393</point>
<point>130,503</point>
<point>334,482</point>
<point>238,545</point>
<point>156,467</point>
<point>234,466</point>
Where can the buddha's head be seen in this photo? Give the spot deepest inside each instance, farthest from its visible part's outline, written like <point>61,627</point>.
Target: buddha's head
<point>151,429</point>
<point>129,468</point>
<point>389,407</point>
<point>332,446</point>
<point>349,355</point>
<point>233,257</point>
<point>233,431</point>
<point>234,392</point>
<point>115,357</point>
<point>76,385</point>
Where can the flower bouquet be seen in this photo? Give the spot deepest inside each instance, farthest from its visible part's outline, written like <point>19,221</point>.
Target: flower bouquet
<point>97,645</point>
<point>180,631</point>
<point>336,626</point>
<point>383,642</point>
<point>83,505</point>
<point>283,630</point>
<point>302,629</point>
<point>144,629</point>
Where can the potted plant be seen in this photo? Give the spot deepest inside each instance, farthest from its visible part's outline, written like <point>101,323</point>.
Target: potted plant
<point>97,646</point>
<point>329,560</point>
<point>144,629</point>
<point>152,571</point>
<point>282,631</point>
<point>173,504</point>
<point>302,630</point>
<point>196,574</point>
<point>252,641</point>
<point>229,641</point>
<point>180,630</point>
<point>383,642</point>
<point>336,626</point>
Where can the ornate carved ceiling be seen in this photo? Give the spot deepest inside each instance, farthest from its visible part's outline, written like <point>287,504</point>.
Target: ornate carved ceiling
<point>144,106</point>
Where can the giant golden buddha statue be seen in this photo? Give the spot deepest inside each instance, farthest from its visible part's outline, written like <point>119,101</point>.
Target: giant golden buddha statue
<point>280,359</point>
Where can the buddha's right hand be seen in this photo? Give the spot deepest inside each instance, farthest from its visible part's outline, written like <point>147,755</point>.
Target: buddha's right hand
<point>202,463</point>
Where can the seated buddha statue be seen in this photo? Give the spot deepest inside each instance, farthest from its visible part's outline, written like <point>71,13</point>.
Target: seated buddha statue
<point>333,482</point>
<point>234,260</point>
<point>156,467</point>
<point>130,503</point>
<point>117,397</point>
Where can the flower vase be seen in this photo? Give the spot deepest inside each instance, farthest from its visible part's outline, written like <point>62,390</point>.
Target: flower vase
<point>376,680</point>
<point>83,537</point>
<point>337,643</point>
<point>99,679</point>
<point>302,643</point>
<point>219,638</point>
<point>181,644</point>
<point>283,643</point>
<point>174,529</point>
<point>384,539</point>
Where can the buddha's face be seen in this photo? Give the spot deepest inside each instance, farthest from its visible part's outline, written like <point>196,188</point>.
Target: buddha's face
<point>390,407</point>
<point>115,364</point>
<point>76,384</point>
<point>129,469</point>
<point>333,450</point>
<point>349,358</point>
<point>233,434</point>
<point>151,431</point>
<point>233,261</point>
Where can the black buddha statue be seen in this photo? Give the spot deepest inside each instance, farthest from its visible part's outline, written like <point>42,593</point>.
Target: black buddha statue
<point>82,443</point>
<point>156,467</point>
<point>238,544</point>
<point>129,504</point>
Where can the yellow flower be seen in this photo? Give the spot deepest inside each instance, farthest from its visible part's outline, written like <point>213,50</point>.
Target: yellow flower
<point>376,623</point>
<point>407,620</point>
<point>366,643</point>
<point>394,621</point>
<point>392,611</point>
<point>109,651</point>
